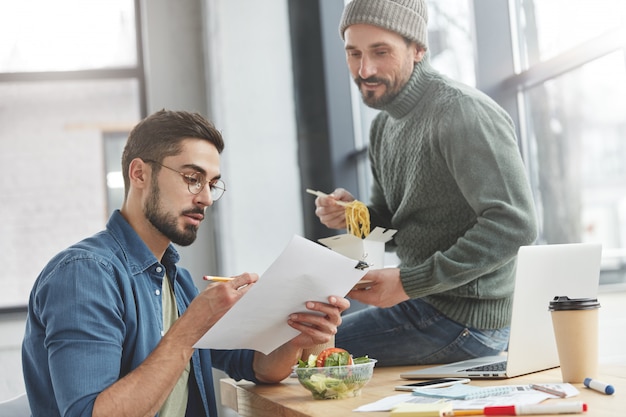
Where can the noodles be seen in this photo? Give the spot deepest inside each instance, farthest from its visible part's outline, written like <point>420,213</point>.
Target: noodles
<point>357,219</point>
<point>357,215</point>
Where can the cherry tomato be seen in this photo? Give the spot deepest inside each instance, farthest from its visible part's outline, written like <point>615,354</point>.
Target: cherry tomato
<point>333,357</point>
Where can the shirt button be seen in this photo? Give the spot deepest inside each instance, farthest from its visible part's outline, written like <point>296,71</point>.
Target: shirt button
<point>159,269</point>
<point>157,292</point>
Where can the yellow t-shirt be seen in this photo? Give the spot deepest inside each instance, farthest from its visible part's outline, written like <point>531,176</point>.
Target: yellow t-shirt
<point>176,403</point>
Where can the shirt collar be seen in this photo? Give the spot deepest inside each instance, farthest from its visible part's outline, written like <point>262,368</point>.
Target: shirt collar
<point>135,250</point>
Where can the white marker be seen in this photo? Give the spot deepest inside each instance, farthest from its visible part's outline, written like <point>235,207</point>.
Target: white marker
<point>599,386</point>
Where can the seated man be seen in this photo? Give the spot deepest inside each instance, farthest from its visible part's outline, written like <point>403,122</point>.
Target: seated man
<point>112,320</point>
<point>447,174</point>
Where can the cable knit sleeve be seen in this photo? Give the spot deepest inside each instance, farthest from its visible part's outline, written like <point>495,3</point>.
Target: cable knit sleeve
<point>476,141</point>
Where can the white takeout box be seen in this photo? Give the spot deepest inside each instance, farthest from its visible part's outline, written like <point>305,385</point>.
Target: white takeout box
<point>370,249</point>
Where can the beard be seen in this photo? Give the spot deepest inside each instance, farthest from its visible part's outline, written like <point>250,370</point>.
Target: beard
<point>167,223</point>
<point>369,97</point>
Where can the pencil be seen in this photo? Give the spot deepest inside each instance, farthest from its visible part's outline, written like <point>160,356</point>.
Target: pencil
<point>547,390</point>
<point>456,413</point>
<point>217,279</point>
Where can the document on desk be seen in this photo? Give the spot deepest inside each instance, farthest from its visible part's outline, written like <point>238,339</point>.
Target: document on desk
<point>304,271</point>
<point>519,394</point>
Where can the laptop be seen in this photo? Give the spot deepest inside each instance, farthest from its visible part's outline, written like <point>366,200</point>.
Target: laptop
<point>542,272</point>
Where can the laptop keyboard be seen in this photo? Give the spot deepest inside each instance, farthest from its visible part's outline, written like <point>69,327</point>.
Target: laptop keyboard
<point>498,366</point>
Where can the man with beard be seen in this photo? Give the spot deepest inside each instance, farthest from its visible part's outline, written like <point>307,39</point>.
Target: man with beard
<point>112,320</point>
<point>448,176</point>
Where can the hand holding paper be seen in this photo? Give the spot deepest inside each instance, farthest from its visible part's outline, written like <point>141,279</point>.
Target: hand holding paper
<point>305,271</point>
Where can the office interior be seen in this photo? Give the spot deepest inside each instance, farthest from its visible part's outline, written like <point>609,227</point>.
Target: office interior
<point>76,76</point>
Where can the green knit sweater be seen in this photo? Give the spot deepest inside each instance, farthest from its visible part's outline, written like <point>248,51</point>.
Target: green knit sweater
<point>448,175</point>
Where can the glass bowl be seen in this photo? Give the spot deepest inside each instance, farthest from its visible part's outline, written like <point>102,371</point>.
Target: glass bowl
<point>336,382</point>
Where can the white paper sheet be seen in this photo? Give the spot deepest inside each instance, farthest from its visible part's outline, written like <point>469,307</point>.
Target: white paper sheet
<point>305,271</point>
<point>522,395</point>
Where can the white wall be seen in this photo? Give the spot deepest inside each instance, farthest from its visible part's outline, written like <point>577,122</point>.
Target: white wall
<point>231,60</point>
<point>12,330</point>
<point>251,89</point>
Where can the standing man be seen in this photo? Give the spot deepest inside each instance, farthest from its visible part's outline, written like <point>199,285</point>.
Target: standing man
<point>112,320</point>
<point>448,176</point>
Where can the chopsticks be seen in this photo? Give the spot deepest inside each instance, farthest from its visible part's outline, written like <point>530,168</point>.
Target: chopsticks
<point>321,194</point>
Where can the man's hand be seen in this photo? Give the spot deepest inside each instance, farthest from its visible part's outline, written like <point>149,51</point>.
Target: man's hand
<point>331,214</point>
<point>386,289</point>
<point>315,329</point>
<point>212,303</point>
<point>157,375</point>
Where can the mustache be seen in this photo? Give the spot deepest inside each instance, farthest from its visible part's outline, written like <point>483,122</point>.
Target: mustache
<point>196,210</point>
<point>360,80</point>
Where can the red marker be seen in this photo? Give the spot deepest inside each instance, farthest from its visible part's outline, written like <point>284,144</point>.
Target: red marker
<point>528,409</point>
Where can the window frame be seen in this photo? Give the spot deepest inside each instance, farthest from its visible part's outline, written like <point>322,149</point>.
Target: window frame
<point>136,73</point>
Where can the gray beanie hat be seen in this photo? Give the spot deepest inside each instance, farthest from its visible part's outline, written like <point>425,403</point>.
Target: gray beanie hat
<point>408,18</point>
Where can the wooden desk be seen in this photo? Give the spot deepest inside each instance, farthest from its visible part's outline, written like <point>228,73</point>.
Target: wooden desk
<point>290,399</point>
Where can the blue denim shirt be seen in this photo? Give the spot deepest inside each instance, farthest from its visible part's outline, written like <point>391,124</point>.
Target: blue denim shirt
<point>95,314</point>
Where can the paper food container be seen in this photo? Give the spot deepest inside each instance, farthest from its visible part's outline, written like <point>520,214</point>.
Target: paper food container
<point>370,249</point>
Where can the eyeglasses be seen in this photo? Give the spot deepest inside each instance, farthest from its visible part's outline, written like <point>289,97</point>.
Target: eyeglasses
<point>196,182</point>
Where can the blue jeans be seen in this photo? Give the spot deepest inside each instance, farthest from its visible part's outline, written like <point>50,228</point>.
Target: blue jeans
<point>415,333</point>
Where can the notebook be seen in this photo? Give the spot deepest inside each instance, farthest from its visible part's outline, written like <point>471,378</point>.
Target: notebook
<point>542,272</point>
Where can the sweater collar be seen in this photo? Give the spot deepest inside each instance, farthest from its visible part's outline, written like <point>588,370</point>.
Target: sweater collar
<point>413,91</point>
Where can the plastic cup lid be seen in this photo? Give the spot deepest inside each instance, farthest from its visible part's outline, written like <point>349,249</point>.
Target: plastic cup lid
<point>565,303</point>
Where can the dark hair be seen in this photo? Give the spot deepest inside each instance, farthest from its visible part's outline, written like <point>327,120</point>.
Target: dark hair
<point>160,135</point>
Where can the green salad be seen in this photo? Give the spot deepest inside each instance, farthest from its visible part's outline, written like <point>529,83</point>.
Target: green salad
<point>334,374</point>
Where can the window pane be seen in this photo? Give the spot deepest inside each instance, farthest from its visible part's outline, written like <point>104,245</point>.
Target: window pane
<point>451,39</point>
<point>550,27</point>
<point>114,142</point>
<point>52,170</point>
<point>63,35</point>
<point>578,151</point>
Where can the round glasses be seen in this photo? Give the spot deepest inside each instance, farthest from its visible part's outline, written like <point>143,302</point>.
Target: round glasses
<point>196,181</point>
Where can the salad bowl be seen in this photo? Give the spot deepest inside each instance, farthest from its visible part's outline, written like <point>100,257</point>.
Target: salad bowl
<point>336,382</point>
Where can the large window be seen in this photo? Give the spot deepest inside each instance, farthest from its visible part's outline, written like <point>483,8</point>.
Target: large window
<point>571,83</point>
<point>577,132</point>
<point>67,35</point>
<point>70,78</point>
<point>559,68</point>
<point>549,28</point>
